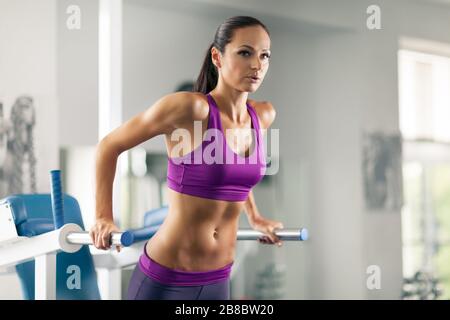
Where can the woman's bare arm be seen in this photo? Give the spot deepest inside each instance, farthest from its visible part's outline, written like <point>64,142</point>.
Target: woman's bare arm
<point>164,116</point>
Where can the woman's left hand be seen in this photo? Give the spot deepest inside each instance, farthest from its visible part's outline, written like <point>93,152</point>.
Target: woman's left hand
<point>267,227</point>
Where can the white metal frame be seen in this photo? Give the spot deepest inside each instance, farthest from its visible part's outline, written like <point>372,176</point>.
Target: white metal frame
<point>43,249</point>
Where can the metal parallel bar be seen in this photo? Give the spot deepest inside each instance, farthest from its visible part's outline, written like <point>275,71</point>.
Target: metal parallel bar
<point>127,238</point>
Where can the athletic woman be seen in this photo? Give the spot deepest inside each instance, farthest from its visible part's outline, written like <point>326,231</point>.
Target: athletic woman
<point>192,253</point>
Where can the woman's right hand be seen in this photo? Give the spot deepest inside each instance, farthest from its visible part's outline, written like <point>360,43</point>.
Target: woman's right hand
<point>101,233</point>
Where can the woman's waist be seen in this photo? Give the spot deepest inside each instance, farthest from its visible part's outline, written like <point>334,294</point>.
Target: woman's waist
<point>181,268</point>
<point>191,253</point>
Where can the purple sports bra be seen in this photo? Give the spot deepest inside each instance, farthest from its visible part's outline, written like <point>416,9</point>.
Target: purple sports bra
<point>213,170</point>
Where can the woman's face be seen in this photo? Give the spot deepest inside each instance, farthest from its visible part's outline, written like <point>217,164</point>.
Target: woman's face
<point>246,56</point>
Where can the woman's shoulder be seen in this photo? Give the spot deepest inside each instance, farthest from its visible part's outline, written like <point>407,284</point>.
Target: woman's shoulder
<point>194,105</point>
<point>199,105</point>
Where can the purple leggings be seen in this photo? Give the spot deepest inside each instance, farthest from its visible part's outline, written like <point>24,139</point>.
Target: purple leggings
<point>153,281</point>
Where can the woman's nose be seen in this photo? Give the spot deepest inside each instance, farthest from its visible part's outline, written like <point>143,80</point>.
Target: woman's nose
<point>256,64</point>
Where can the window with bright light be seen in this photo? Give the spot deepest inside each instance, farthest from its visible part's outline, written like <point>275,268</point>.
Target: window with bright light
<point>424,85</point>
<point>424,99</point>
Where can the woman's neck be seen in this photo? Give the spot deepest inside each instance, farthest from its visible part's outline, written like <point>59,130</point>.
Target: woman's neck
<point>232,103</point>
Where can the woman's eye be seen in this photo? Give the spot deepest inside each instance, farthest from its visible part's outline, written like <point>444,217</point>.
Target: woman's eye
<point>244,53</point>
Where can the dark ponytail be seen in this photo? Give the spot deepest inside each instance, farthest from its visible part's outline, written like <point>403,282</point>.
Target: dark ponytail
<point>208,77</point>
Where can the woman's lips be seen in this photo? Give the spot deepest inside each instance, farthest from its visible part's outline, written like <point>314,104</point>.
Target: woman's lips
<point>254,79</point>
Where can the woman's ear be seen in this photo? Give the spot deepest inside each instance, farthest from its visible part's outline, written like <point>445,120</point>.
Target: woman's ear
<point>215,55</point>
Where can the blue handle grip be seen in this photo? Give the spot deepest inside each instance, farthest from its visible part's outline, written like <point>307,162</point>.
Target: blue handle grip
<point>131,236</point>
<point>304,235</point>
<point>57,200</point>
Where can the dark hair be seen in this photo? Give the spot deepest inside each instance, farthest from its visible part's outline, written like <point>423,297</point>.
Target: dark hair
<point>207,79</point>
<point>187,85</point>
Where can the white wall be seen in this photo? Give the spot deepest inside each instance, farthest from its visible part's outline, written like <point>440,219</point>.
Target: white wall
<point>28,66</point>
<point>382,230</point>
<point>78,74</point>
<point>161,48</point>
